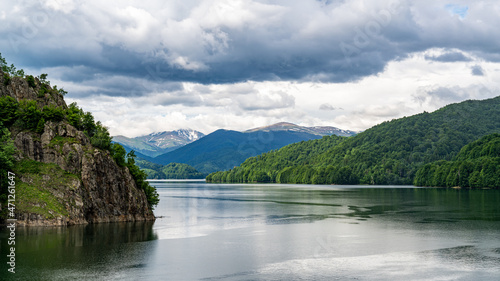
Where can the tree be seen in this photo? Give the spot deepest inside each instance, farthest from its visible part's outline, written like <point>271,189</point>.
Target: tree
<point>8,110</point>
<point>6,161</point>
<point>118,153</point>
<point>10,70</point>
<point>43,78</point>
<point>31,81</point>
<point>131,157</point>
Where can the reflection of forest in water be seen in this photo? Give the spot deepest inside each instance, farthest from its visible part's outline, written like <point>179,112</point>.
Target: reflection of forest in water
<point>249,230</point>
<point>80,246</point>
<point>422,205</point>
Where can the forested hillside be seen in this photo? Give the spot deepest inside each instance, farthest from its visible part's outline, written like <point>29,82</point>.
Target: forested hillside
<point>389,153</point>
<point>67,170</point>
<point>477,165</point>
<point>225,149</point>
<point>169,171</point>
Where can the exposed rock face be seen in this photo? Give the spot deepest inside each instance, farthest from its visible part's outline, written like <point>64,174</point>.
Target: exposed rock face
<point>106,192</point>
<point>18,88</point>
<point>101,191</point>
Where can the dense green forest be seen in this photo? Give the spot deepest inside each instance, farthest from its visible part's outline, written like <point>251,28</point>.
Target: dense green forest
<point>225,149</point>
<point>477,165</point>
<point>275,165</point>
<point>6,160</point>
<point>27,115</point>
<point>169,171</point>
<point>389,153</point>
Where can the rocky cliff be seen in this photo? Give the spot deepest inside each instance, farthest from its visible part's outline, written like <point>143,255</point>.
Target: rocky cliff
<point>62,178</point>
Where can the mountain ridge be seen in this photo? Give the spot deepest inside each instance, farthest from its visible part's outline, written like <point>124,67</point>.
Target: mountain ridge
<point>158,143</point>
<point>316,130</point>
<point>224,149</point>
<point>388,153</point>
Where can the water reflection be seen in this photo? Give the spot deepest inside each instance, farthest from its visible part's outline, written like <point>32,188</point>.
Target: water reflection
<point>52,253</point>
<point>296,203</point>
<point>277,232</point>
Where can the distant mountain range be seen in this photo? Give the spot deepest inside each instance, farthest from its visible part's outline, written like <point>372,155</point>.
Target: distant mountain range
<point>222,149</point>
<point>156,144</point>
<point>442,148</point>
<point>317,130</point>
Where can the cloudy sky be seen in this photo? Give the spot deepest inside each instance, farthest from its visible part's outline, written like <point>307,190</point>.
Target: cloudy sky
<point>147,66</point>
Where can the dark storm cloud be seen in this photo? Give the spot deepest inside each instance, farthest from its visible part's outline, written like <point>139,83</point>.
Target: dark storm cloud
<point>157,43</point>
<point>449,57</point>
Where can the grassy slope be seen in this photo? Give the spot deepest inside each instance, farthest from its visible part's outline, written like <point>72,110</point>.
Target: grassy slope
<point>41,188</point>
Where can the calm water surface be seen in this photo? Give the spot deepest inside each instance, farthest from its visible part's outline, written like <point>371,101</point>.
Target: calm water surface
<point>279,232</point>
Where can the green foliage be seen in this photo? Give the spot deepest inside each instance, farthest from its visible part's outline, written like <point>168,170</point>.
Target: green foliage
<point>43,90</point>
<point>131,157</point>
<point>98,134</point>
<point>100,137</point>
<point>3,63</point>
<point>477,165</point>
<point>74,115</point>
<point>180,171</point>
<point>6,160</point>
<point>150,191</point>
<point>389,153</point>
<point>62,92</point>
<point>223,150</point>
<point>40,126</point>
<point>140,179</point>
<point>8,110</point>
<point>19,73</point>
<point>53,113</point>
<point>29,167</point>
<point>10,69</point>
<point>43,78</point>
<point>59,141</point>
<point>118,153</point>
<point>90,126</point>
<point>31,81</point>
<point>289,164</point>
<point>28,114</point>
<point>6,79</point>
<point>40,190</point>
<point>169,171</point>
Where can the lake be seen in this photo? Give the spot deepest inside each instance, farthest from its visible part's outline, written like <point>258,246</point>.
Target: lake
<point>278,232</point>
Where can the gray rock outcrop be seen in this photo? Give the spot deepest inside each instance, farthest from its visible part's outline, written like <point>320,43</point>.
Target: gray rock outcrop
<point>99,191</point>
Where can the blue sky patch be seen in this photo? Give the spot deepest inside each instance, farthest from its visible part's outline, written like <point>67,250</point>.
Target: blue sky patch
<point>456,9</point>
